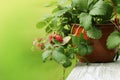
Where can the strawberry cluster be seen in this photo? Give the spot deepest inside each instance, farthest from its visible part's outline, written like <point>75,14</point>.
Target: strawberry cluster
<point>56,37</point>
<point>38,43</point>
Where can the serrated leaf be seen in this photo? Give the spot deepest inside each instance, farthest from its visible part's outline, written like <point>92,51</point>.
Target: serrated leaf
<point>61,12</point>
<point>80,4</point>
<point>91,3</point>
<point>48,29</point>
<point>46,54</point>
<point>83,5</point>
<point>59,57</point>
<point>98,8</point>
<point>85,20</point>
<point>41,24</point>
<point>102,8</point>
<point>113,40</point>
<point>94,33</point>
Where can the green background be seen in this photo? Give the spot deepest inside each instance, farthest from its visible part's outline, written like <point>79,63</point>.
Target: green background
<point>18,20</point>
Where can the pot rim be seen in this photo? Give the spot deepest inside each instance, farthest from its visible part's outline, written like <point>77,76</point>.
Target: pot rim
<point>104,25</point>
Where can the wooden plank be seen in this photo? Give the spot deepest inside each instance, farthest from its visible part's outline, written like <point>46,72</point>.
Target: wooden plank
<point>96,71</point>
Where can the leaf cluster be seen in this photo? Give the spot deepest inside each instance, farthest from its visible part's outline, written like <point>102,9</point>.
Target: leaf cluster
<point>86,13</point>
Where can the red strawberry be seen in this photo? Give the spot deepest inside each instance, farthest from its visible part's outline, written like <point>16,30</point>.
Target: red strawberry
<point>59,38</point>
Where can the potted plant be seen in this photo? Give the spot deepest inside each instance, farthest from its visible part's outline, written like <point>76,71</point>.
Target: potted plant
<point>85,29</point>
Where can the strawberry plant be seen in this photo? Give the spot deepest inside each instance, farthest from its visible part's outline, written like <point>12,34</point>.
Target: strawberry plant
<point>63,43</point>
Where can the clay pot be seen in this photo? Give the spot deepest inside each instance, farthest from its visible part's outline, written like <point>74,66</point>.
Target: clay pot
<point>100,52</point>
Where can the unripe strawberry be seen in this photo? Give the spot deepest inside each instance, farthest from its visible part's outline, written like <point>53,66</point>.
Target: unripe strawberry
<point>41,45</point>
<point>38,43</point>
<point>51,37</point>
<point>59,38</point>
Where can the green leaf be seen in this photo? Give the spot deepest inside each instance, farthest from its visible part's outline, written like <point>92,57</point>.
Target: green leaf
<point>85,20</point>
<point>83,5</point>
<point>52,3</point>
<point>75,40</point>
<point>89,49</point>
<point>70,52</point>
<point>41,24</point>
<point>48,46</point>
<point>116,2</point>
<point>82,50</point>
<point>90,2</point>
<point>67,63</point>
<point>61,12</point>
<point>55,10</point>
<point>60,49</point>
<point>62,2</point>
<point>48,29</point>
<point>113,40</point>
<point>47,18</point>
<point>59,57</point>
<point>80,4</point>
<point>94,33</point>
<point>46,54</point>
<point>53,25</point>
<point>102,8</point>
<point>118,9</point>
<point>81,37</point>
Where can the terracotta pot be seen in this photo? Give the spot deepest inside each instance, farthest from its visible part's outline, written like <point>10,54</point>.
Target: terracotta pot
<point>100,52</point>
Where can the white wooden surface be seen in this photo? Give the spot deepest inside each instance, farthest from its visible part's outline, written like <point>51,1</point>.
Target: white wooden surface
<point>96,71</point>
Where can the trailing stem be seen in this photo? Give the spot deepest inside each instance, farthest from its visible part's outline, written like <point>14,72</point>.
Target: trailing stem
<point>115,11</point>
<point>116,26</point>
<point>64,70</point>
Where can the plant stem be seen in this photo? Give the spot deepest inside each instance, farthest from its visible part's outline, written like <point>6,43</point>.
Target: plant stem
<point>116,26</point>
<point>58,68</point>
<point>64,70</point>
<point>115,11</point>
<point>72,28</point>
